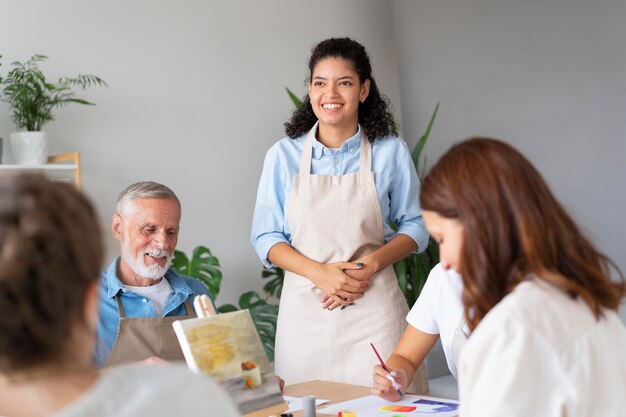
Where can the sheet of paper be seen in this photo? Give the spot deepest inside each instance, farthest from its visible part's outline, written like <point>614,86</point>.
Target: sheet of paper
<point>408,406</point>
<point>295,403</point>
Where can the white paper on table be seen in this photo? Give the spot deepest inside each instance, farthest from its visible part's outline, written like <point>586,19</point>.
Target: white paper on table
<point>372,406</point>
<point>295,403</point>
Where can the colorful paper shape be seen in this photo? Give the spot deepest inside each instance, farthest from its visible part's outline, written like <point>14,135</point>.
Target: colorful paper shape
<point>436,406</point>
<point>400,408</point>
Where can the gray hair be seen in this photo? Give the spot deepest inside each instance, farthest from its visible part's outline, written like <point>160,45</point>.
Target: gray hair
<point>143,189</point>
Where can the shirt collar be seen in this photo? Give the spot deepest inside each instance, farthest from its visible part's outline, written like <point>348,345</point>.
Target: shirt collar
<point>115,285</point>
<point>351,145</point>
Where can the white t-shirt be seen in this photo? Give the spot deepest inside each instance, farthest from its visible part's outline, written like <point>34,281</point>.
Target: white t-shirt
<point>541,353</point>
<point>158,293</point>
<point>152,390</point>
<point>439,309</point>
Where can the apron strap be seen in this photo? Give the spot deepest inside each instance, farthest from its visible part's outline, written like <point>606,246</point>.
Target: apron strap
<point>365,153</point>
<point>120,307</point>
<point>307,152</point>
<point>188,309</point>
<point>459,327</point>
<point>458,340</point>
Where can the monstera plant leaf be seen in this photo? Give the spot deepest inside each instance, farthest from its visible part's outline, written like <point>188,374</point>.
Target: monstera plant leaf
<point>264,316</point>
<point>202,266</point>
<point>274,286</point>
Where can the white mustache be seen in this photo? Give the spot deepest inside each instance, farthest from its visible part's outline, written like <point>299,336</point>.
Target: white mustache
<point>158,253</point>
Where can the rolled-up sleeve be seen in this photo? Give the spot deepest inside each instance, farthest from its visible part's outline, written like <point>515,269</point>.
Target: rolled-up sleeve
<point>268,222</point>
<point>404,208</point>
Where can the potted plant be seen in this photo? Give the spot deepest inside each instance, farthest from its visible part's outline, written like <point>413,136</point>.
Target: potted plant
<point>32,100</point>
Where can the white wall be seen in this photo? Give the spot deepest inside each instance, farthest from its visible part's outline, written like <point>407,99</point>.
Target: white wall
<point>548,76</point>
<point>196,95</point>
<point>195,98</point>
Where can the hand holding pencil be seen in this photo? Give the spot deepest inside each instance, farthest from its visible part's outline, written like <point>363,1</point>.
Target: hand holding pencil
<point>388,383</point>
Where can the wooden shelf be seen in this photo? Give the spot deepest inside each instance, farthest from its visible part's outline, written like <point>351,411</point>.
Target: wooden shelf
<point>57,167</point>
<point>44,167</point>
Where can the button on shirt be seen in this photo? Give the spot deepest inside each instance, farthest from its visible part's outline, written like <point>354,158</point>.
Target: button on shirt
<point>397,187</point>
<point>183,287</point>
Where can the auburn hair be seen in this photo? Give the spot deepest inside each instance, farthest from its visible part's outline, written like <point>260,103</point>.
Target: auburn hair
<point>514,228</point>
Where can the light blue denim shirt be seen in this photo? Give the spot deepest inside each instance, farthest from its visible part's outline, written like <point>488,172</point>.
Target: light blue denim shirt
<point>396,180</point>
<point>185,288</point>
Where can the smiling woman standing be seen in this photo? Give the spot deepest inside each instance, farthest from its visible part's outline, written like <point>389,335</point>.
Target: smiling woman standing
<point>327,198</point>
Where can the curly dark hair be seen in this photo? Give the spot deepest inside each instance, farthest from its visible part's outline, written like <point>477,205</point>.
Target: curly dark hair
<point>50,253</point>
<point>374,114</point>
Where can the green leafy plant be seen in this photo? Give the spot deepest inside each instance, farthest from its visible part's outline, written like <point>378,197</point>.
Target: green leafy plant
<point>32,98</point>
<point>413,270</point>
<point>294,98</point>
<point>264,316</point>
<point>205,267</point>
<point>274,286</point>
<point>419,147</point>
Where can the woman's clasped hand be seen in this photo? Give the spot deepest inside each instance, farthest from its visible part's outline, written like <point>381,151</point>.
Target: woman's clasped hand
<point>342,283</point>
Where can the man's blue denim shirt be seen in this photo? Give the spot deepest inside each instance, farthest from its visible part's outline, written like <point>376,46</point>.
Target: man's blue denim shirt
<point>185,288</point>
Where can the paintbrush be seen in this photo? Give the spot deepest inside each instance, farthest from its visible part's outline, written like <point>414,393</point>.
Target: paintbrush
<point>393,381</point>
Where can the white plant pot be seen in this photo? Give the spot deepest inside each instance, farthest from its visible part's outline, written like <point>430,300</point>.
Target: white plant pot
<point>29,148</point>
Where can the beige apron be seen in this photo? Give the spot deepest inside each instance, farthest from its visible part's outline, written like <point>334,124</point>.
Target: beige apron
<point>139,338</point>
<point>332,219</point>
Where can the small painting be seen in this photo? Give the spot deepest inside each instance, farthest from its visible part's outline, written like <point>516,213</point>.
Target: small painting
<point>228,348</point>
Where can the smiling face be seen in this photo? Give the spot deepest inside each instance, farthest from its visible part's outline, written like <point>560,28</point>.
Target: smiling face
<point>147,230</point>
<point>448,233</point>
<point>335,92</point>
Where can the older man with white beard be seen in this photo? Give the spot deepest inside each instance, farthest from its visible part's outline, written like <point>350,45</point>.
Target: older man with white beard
<point>140,295</point>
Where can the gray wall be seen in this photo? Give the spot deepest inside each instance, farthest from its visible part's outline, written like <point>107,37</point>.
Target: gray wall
<point>196,95</point>
<point>548,76</point>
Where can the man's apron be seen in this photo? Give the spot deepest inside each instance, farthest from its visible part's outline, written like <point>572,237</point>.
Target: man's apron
<point>139,338</point>
<point>332,219</point>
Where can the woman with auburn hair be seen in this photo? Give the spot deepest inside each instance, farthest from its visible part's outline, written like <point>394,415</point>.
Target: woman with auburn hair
<point>50,257</point>
<point>538,297</point>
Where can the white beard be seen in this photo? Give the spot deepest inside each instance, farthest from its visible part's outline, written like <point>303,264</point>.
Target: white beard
<point>153,272</point>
